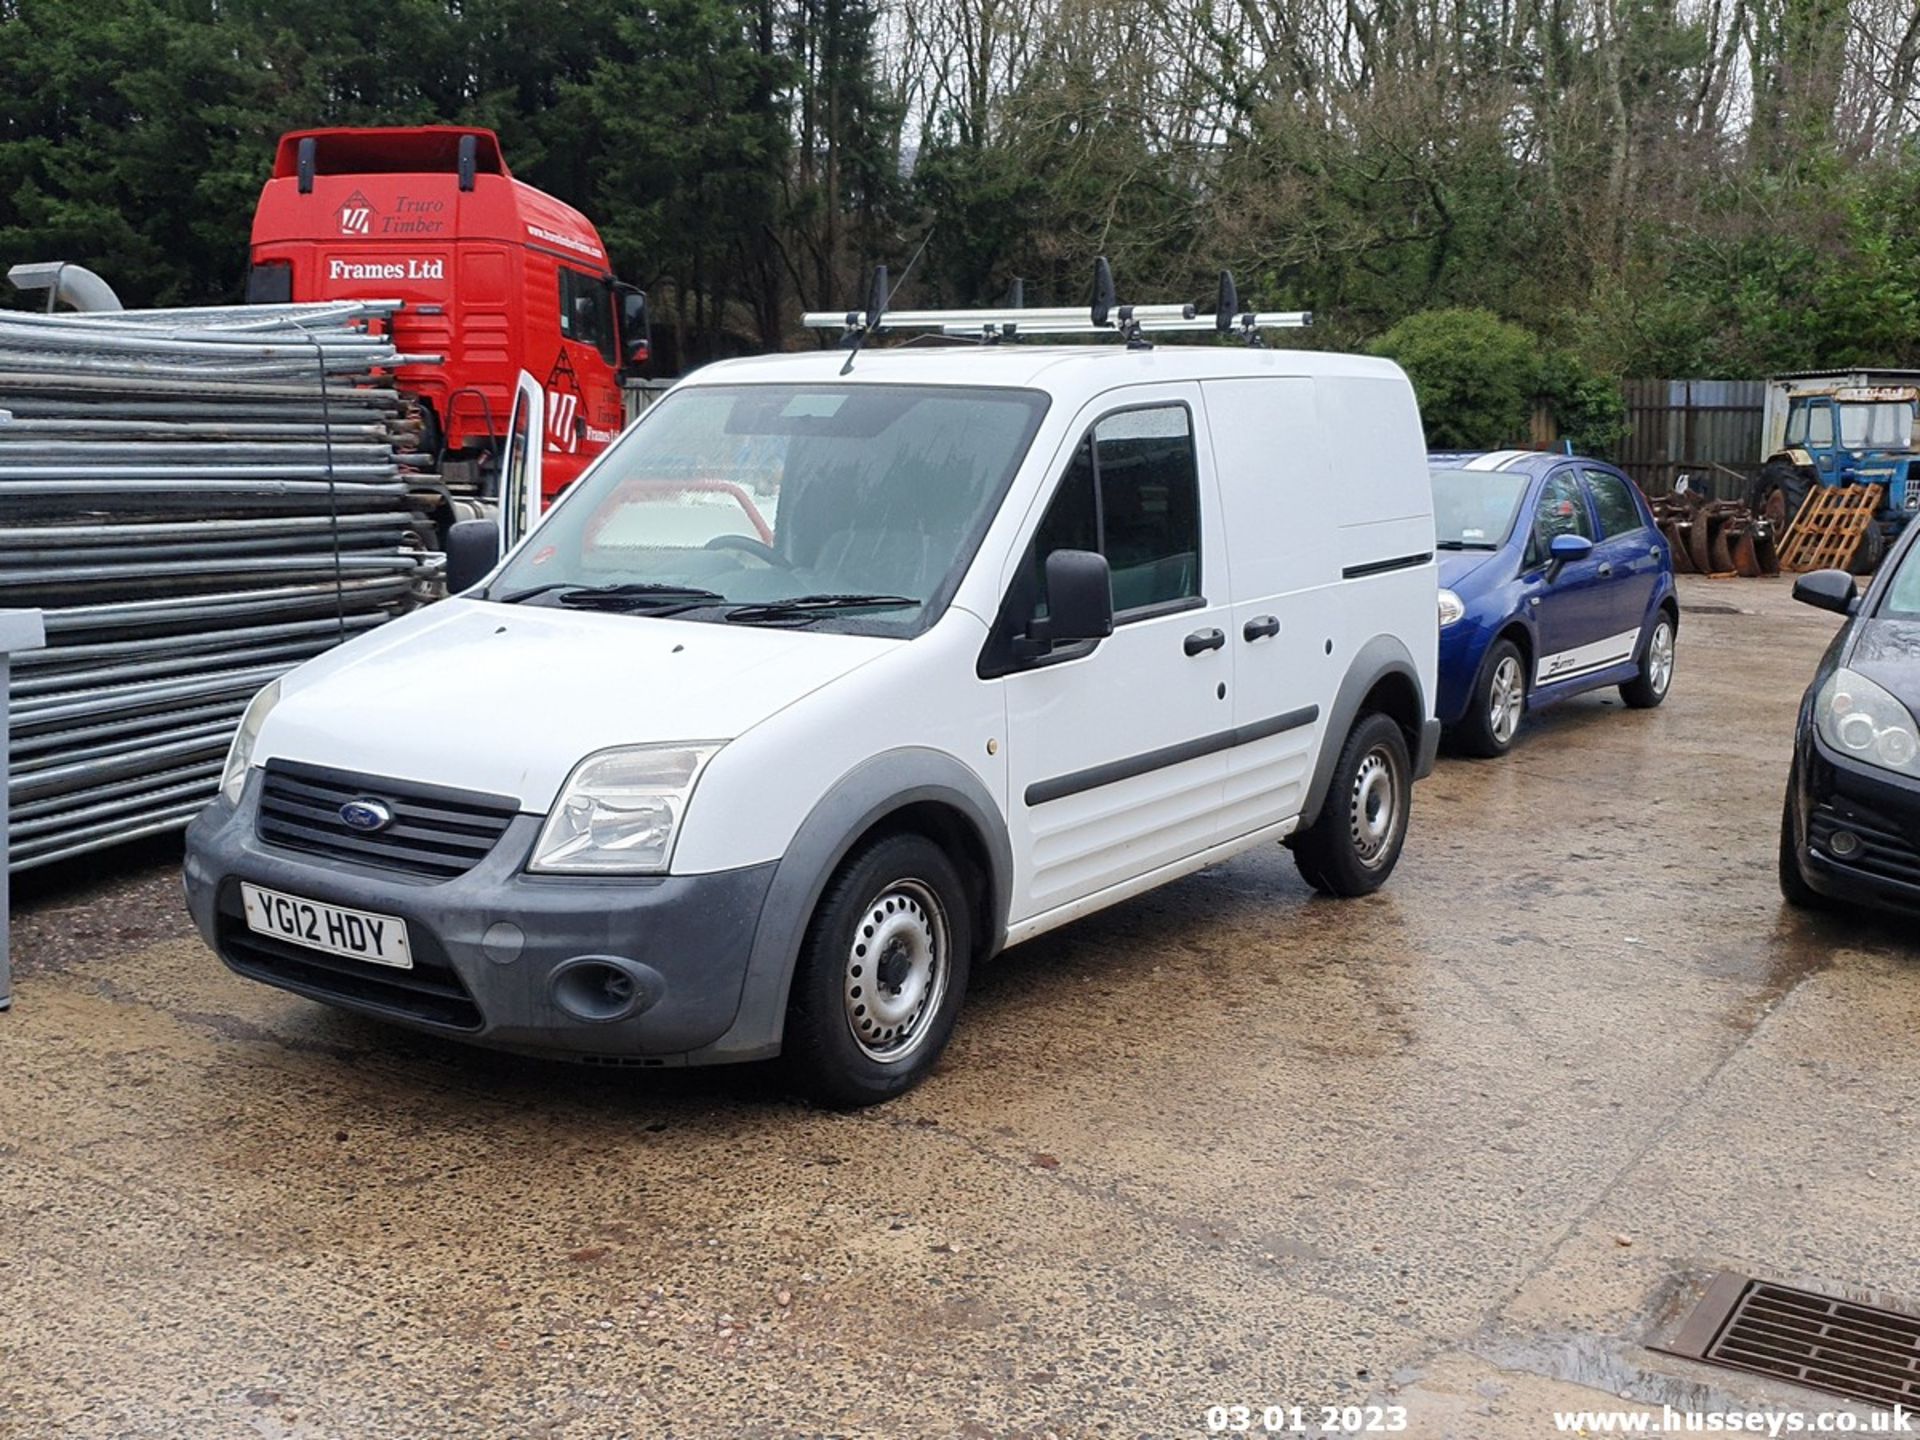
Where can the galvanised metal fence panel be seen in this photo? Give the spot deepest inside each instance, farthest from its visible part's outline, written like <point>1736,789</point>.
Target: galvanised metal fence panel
<point>198,501</point>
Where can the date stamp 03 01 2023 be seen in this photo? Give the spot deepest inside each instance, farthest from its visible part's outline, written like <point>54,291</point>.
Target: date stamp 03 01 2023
<point>1305,1419</point>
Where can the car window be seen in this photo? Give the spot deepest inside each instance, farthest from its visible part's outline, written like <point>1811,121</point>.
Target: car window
<point>1902,600</point>
<point>586,312</point>
<point>1562,511</point>
<point>1131,492</point>
<point>1614,504</point>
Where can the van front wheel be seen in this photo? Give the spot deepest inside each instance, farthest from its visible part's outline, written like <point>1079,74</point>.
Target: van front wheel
<point>882,974</point>
<point>1353,846</point>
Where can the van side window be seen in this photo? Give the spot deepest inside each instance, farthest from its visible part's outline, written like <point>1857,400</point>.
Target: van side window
<point>1149,506</point>
<point>1562,511</point>
<point>586,312</point>
<point>1131,492</point>
<point>1618,513</point>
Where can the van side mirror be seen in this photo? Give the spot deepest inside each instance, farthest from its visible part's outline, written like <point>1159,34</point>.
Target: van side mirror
<point>1827,590</point>
<point>473,548</point>
<point>1564,550</point>
<point>1079,603</point>
<point>636,326</point>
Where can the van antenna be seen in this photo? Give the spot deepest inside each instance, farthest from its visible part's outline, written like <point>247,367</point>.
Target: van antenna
<point>1107,309</point>
<point>879,297</point>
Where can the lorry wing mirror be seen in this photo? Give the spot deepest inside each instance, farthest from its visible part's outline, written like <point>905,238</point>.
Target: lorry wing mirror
<point>1079,597</point>
<point>636,327</point>
<point>473,548</point>
<point>1827,590</point>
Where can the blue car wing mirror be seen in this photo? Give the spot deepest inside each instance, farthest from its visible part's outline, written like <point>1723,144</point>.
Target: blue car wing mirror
<point>1564,550</point>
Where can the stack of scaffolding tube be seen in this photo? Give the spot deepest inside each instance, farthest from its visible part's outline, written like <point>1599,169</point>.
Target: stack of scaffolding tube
<point>199,500</point>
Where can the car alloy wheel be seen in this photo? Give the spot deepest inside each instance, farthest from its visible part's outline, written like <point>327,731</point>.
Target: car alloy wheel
<point>1660,657</point>
<point>1506,697</point>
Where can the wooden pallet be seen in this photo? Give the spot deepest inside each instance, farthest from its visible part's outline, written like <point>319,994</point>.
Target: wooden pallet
<point>1827,532</point>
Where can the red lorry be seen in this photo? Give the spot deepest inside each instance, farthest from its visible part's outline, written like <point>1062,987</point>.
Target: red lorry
<point>498,279</point>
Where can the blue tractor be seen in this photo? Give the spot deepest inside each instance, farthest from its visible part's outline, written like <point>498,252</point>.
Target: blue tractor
<point>1842,428</point>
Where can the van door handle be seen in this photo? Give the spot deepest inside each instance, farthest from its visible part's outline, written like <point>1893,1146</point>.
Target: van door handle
<point>1201,640</point>
<point>1261,627</point>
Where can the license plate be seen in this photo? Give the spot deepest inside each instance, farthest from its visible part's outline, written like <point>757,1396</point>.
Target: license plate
<point>356,934</point>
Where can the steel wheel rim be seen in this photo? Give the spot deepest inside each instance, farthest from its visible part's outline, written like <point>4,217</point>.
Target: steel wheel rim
<point>1373,815</point>
<point>896,971</point>
<point>1660,658</point>
<point>1506,695</point>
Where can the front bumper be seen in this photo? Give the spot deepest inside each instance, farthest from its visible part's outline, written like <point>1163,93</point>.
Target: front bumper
<point>492,947</point>
<point>1463,645</point>
<point>1835,796</point>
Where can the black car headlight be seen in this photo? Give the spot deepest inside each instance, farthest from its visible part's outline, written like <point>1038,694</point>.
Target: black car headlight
<point>1863,720</point>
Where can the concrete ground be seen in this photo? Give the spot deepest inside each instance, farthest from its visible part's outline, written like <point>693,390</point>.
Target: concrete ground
<point>1468,1147</point>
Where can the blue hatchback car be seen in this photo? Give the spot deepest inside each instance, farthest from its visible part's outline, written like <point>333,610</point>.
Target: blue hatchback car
<point>1554,580</point>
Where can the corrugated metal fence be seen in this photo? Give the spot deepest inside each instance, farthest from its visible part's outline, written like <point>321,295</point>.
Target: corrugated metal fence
<point>1709,429</point>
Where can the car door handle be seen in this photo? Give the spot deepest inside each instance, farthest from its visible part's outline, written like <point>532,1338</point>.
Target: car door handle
<point>1201,640</point>
<point>1261,627</point>
<point>1605,571</point>
<point>1653,552</point>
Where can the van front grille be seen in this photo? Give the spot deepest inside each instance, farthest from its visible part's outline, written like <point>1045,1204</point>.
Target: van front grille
<point>434,832</point>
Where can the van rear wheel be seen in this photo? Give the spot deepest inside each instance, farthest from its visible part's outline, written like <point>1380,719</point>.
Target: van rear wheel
<point>1355,843</point>
<point>882,975</point>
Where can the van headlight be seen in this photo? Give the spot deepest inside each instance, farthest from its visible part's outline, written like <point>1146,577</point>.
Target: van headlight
<point>240,754</point>
<point>619,811</point>
<point>1451,608</point>
<point>1860,719</point>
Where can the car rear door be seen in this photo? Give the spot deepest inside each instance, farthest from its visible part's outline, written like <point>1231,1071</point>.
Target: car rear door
<point>1630,555</point>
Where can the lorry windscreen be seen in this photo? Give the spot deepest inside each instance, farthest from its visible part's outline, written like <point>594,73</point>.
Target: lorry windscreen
<point>765,493</point>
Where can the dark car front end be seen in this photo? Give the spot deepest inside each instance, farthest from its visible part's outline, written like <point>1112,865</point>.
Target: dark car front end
<point>1852,823</point>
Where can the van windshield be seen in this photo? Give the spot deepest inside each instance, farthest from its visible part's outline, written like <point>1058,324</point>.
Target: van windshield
<point>862,503</point>
<point>1474,509</point>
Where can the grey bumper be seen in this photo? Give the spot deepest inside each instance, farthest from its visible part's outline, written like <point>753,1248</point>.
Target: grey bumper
<point>1429,750</point>
<point>501,958</point>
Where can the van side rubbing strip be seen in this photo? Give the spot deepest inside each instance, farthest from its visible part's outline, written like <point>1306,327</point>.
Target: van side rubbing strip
<point>1114,771</point>
<point>1380,567</point>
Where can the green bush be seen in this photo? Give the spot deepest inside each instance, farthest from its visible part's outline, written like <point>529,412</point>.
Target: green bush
<point>1478,378</point>
<point>1474,375</point>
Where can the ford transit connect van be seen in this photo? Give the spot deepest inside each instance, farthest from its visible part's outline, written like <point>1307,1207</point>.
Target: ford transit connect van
<point>821,687</point>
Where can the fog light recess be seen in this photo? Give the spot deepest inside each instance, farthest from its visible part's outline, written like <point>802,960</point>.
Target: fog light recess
<point>603,988</point>
<point>1844,844</point>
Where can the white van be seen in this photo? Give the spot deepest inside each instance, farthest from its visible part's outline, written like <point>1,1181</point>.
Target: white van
<point>820,688</point>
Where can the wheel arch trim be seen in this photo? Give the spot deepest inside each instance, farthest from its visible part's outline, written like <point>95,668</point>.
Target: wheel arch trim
<point>1381,658</point>
<point>860,801</point>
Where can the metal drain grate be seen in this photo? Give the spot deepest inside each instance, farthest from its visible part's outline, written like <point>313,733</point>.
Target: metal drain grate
<point>1860,1351</point>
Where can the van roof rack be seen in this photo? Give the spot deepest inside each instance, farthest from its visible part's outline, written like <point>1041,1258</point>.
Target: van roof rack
<point>1132,323</point>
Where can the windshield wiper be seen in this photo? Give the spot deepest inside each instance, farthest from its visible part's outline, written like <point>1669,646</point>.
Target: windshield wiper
<point>617,597</point>
<point>802,606</point>
<point>1464,545</point>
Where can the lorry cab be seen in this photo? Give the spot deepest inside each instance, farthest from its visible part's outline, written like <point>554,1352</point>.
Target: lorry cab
<point>496,277</point>
<point>833,679</point>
